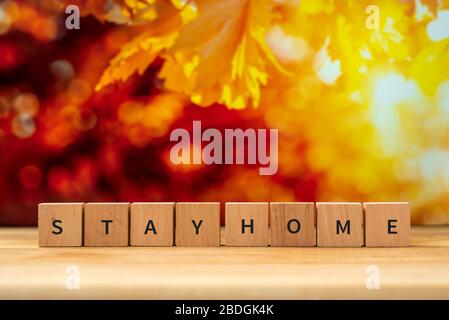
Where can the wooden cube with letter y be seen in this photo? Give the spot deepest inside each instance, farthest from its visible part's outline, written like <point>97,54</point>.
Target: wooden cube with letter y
<point>247,224</point>
<point>387,224</point>
<point>197,224</point>
<point>60,224</point>
<point>339,224</point>
<point>106,224</point>
<point>151,224</point>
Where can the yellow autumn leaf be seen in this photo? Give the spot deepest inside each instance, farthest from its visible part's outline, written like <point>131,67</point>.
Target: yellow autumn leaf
<point>317,6</point>
<point>390,38</point>
<point>226,61</point>
<point>431,66</point>
<point>135,56</point>
<point>139,53</point>
<point>131,12</point>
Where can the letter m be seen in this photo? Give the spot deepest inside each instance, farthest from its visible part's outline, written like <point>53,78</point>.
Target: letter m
<point>344,229</point>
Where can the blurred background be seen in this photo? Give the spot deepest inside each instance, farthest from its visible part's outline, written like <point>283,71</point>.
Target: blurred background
<point>359,91</point>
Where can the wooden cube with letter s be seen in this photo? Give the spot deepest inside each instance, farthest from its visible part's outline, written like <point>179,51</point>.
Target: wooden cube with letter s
<point>60,224</point>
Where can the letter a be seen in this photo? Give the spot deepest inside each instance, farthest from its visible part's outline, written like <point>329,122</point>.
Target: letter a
<point>180,152</point>
<point>373,20</point>
<point>73,20</point>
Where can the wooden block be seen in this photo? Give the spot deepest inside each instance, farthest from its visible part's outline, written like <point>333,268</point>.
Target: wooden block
<point>339,224</point>
<point>60,224</point>
<point>292,224</point>
<point>387,224</point>
<point>247,224</point>
<point>106,224</point>
<point>197,224</point>
<point>152,224</point>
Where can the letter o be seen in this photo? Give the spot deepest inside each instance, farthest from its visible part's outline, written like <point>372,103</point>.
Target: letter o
<point>294,222</point>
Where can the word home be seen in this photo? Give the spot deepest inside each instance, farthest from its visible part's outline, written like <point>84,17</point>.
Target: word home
<point>250,224</point>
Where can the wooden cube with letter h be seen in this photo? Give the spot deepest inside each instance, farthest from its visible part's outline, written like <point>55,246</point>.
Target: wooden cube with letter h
<point>60,224</point>
<point>152,223</point>
<point>197,224</point>
<point>106,224</point>
<point>247,224</point>
<point>340,224</point>
<point>387,224</point>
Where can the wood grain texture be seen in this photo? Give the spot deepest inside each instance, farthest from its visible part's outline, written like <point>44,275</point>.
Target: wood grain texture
<point>339,224</point>
<point>152,224</point>
<point>292,224</point>
<point>387,224</point>
<point>60,224</point>
<point>106,224</point>
<point>253,214</point>
<point>416,272</point>
<point>197,224</point>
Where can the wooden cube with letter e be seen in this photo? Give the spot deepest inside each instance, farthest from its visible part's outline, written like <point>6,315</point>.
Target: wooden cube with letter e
<point>339,224</point>
<point>387,224</point>
<point>60,224</point>
<point>247,224</point>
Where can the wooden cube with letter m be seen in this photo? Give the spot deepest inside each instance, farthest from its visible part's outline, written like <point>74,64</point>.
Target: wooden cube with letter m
<point>339,224</point>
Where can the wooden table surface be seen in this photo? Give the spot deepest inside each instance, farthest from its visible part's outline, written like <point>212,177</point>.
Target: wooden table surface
<point>420,271</point>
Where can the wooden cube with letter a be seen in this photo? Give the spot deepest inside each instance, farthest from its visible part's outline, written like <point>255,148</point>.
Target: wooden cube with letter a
<point>197,224</point>
<point>247,224</point>
<point>292,224</point>
<point>387,224</point>
<point>152,223</point>
<point>60,224</point>
<point>339,224</point>
<point>106,224</point>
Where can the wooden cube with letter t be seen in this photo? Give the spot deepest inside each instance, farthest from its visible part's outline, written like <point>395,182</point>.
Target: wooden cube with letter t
<point>387,224</point>
<point>106,224</point>
<point>60,224</point>
<point>339,224</point>
<point>197,224</point>
<point>247,224</point>
<point>152,223</point>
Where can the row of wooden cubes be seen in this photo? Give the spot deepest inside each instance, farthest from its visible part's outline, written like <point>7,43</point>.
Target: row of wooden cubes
<point>303,224</point>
